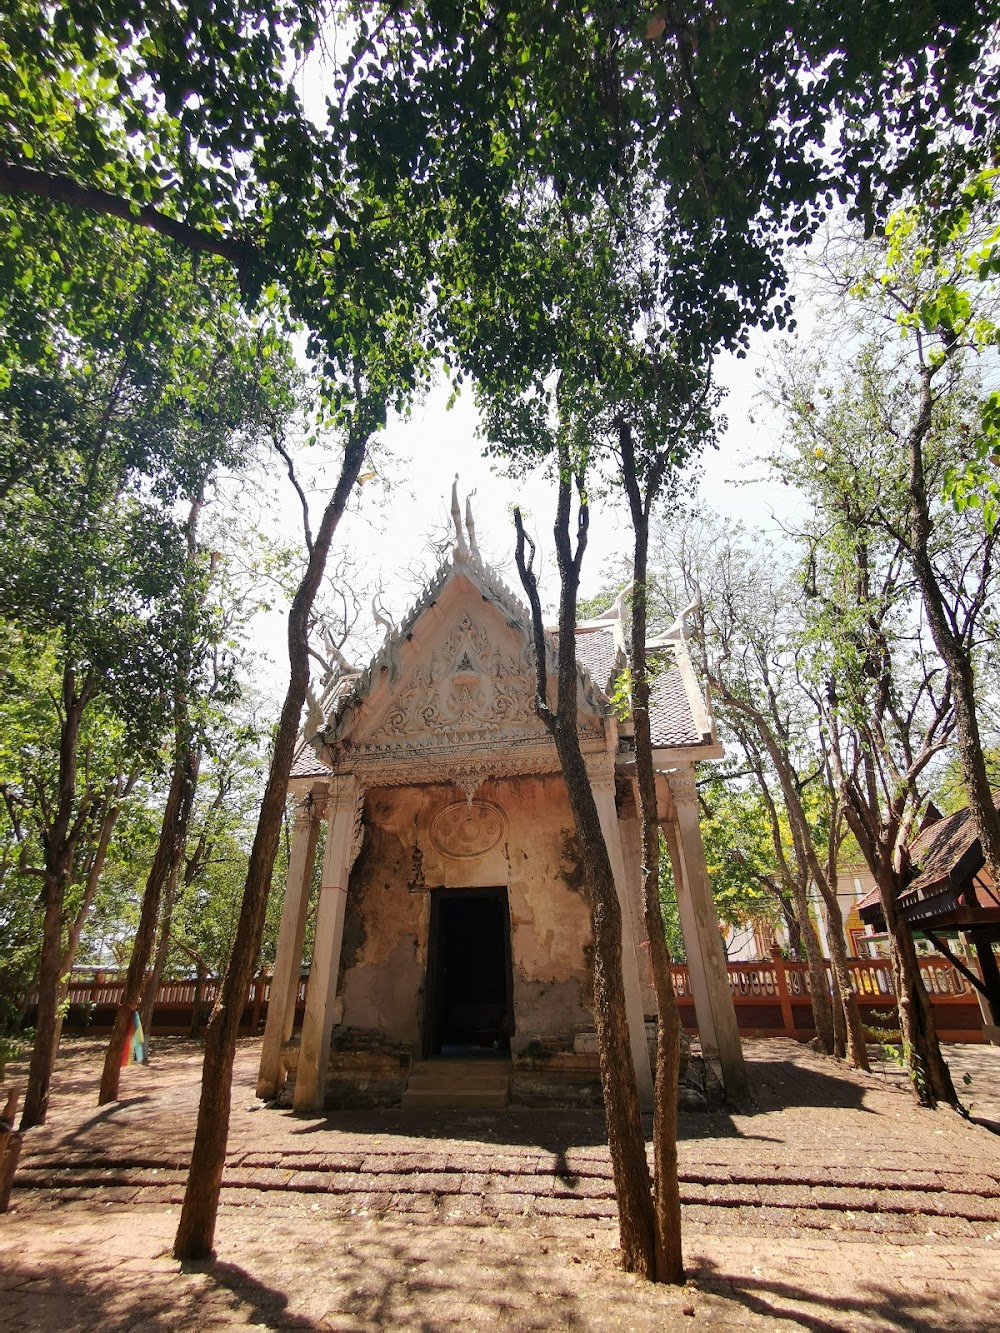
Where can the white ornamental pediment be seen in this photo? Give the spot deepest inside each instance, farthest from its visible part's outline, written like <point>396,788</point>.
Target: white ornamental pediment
<point>469,688</point>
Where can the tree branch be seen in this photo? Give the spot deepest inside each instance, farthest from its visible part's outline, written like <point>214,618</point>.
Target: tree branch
<point>27,182</point>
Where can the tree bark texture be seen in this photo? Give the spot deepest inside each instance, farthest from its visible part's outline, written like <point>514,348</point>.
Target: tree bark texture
<point>846,1001</point>
<point>753,729</point>
<point>74,933</point>
<point>819,996</point>
<point>666,1186</point>
<point>166,863</point>
<point>58,839</point>
<point>954,651</point>
<point>196,1231</point>
<point>929,1072</point>
<point>151,985</point>
<point>621,1099</point>
<point>877,837</point>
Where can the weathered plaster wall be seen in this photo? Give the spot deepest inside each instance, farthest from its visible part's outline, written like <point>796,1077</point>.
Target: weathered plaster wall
<point>388,911</point>
<point>385,926</point>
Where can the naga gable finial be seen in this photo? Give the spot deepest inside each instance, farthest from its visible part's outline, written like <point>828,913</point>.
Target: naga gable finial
<point>470,527</point>
<point>315,723</point>
<point>461,552</point>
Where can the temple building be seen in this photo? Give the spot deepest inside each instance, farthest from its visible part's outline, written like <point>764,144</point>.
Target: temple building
<point>452,930</point>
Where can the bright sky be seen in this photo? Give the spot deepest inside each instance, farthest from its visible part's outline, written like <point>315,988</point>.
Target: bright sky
<point>392,528</point>
<point>391,531</point>
<point>435,444</point>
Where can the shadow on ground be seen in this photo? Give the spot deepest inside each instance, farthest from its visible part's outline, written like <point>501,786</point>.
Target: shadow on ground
<point>873,1304</point>
<point>443,1279</point>
<point>776,1084</point>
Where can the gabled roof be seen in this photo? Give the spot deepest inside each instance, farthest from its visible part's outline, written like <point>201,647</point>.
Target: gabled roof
<point>673,719</point>
<point>598,652</point>
<point>679,715</point>
<point>492,590</point>
<point>945,856</point>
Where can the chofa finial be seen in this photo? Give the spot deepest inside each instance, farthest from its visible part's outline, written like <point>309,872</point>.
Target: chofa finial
<point>461,552</point>
<point>470,527</point>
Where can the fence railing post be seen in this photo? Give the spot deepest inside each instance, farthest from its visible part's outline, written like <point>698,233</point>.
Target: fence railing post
<point>781,980</point>
<point>258,1001</point>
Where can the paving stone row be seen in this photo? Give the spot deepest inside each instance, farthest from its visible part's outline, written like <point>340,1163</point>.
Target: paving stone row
<point>483,1185</point>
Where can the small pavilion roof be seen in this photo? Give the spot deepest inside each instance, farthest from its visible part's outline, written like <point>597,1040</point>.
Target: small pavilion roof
<point>946,856</point>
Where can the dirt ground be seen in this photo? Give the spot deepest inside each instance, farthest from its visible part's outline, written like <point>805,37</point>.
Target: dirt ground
<point>834,1203</point>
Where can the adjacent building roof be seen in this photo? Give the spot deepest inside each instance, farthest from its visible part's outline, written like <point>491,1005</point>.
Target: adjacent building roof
<point>946,857</point>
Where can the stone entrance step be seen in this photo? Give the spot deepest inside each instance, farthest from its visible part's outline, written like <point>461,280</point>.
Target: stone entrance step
<point>458,1085</point>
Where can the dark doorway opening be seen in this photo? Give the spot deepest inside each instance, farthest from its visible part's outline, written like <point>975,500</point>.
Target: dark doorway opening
<point>469,992</point>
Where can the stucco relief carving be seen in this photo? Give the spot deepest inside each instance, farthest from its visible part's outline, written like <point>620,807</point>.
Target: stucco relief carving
<point>468,828</point>
<point>468,688</point>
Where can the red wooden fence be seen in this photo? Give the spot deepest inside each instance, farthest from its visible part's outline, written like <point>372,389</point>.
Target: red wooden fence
<point>771,999</point>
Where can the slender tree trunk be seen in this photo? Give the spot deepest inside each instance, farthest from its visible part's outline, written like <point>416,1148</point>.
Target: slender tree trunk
<point>174,827</point>
<point>196,1231</point>
<point>621,1099</point>
<point>147,1001</point>
<point>876,835</point>
<point>795,945</point>
<point>856,1051</point>
<point>75,932</point>
<point>666,1186</point>
<point>954,652</point>
<point>166,862</point>
<point>58,840</point>
<point>929,1072</point>
<point>626,1139</point>
<point>819,996</point>
<point>197,1009</point>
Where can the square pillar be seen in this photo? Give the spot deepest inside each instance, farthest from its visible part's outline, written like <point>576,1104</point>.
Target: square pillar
<point>697,977</point>
<point>702,937</point>
<point>604,796</point>
<point>288,958</point>
<point>343,813</point>
<point>631,837</point>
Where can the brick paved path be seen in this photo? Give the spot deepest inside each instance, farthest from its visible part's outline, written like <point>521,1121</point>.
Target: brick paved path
<point>836,1203</point>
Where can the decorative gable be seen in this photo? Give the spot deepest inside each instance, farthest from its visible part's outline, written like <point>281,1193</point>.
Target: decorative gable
<point>469,688</point>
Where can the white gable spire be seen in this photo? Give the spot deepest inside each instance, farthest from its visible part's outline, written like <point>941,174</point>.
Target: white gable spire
<point>470,527</point>
<point>461,551</point>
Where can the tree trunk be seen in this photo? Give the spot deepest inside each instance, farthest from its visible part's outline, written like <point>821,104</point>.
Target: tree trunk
<point>856,1051</point>
<point>58,841</point>
<point>666,1186</point>
<point>147,1001</point>
<point>166,863</point>
<point>796,948</point>
<point>621,1099</point>
<point>955,654</point>
<point>174,827</point>
<point>929,1072</point>
<point>75,932</point>
<point>198,1006</point>
<point>196,1231</point>
<point>818,992</point>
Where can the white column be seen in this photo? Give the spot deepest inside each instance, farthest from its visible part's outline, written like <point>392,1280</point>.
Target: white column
<point>631,836</point>
<point>703,945</point>
<point>697,975</point>
<point>604,795</point>
<point>288,958</point>
<point>317,1025</point>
